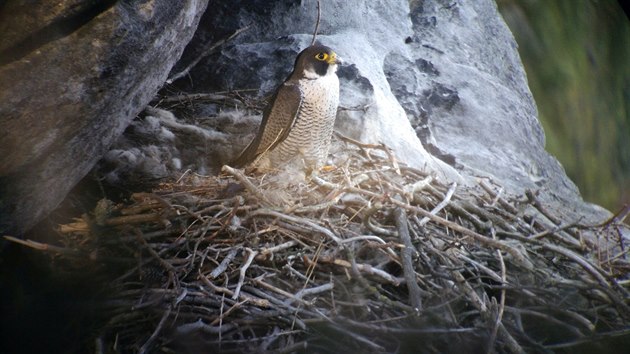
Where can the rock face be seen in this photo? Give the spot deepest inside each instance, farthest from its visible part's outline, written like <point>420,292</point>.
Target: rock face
<point>475,108</point>
<point>421,76</point>
<point>73,74</point>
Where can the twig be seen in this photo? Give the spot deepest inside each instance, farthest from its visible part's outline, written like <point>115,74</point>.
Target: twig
<point>227,313</point>
<point>522,260</point>
<point>300,221</point>
<point>79,226</point>
<point>311,267</point>
<point>619,217</point>
<point>546,316</point>
<point>319,14</point>
<point>357,143</point>
<point>388,249</point>
<point>483,309</point>
<point>377,328</point>
<point>200,326</point>
<point>504,204</point>
<point>265,252</point>
<point>135,219</point>
<point>367,222</point>
<point>364,268</point>
<point>392,158</point>
<point>495,200</point>
<point>99,344</point>
<point>406,258</point>
<point>440,206</point>
<point>224,263</point>
<point>565,252</point>
<point>262,303</point>
<point>536,203</point>
<point>205,53</point>
<point>590,339</point>
<point>374,347</point>
<point>277,290</point>
<point>147,345</point>
<point>417,187</point>
<point>364,237</point>
<point>45,247</point>
<point>554,232</point>
<point>211,97</point>
<point>309,275</point>
<point>322,183</point>
<point>167,266</point>
<point>499,318</point>
<point>184,174</point>
<point>247,184</point>
<point>241,278</point>
<point>314,290</point>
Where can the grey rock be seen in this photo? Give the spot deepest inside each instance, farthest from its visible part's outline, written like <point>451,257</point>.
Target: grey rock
<point>73,76</point>
<point>475,108</point>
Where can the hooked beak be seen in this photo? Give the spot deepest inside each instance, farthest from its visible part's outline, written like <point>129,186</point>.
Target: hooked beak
<point>334,59</point>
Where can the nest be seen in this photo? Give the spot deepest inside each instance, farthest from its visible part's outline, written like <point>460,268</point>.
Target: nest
<point>371,256</point>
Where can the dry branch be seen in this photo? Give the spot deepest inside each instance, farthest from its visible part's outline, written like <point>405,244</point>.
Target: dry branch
<point>374,250</point>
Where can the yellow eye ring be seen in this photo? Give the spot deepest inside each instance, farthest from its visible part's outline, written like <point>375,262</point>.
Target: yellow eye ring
<point>321,56</point>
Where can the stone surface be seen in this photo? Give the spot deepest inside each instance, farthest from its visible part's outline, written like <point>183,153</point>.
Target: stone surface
<point>475,107</point>
<point>73,74</point>
<point>421,76</point>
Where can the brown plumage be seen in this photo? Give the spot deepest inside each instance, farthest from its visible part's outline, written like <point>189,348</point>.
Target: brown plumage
<point>298,122</point>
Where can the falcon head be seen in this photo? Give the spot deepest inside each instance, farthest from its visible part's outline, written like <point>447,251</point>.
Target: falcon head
<point>316,61</point>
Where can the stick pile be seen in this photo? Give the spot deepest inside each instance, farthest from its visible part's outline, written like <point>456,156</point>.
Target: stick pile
<point>372,256</point>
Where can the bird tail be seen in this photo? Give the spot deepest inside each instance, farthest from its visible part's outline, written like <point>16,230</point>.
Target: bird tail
<point>250,154</point>
<point>246,156</point>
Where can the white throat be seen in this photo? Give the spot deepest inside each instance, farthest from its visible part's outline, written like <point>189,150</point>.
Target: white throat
<point>310,74</point>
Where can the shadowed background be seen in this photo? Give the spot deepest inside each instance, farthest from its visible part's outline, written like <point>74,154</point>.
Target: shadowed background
<point>577,55</point>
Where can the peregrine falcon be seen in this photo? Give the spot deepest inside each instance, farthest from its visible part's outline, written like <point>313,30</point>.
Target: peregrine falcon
<point>297,125</point>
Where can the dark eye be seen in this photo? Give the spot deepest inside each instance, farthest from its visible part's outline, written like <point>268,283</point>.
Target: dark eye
<point>321,56</point>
